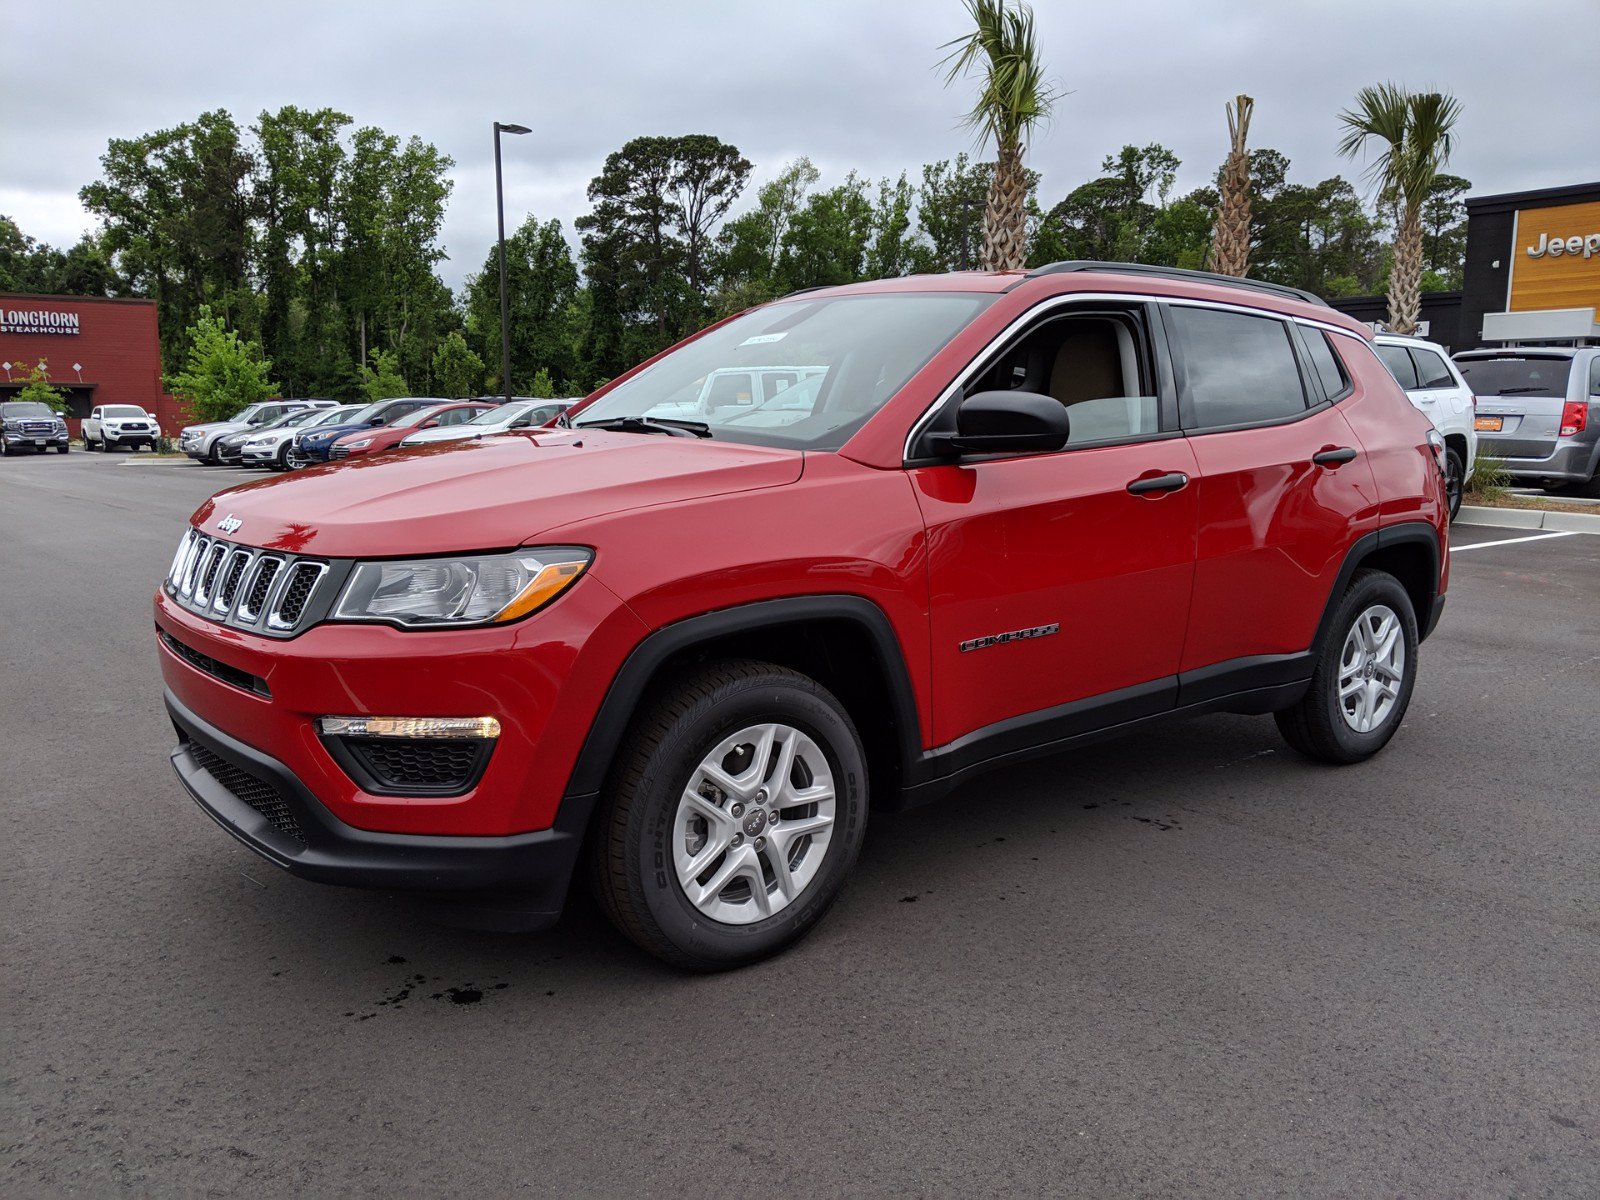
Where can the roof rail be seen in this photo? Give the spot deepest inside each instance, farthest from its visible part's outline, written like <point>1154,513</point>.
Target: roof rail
<point>1122,268</point>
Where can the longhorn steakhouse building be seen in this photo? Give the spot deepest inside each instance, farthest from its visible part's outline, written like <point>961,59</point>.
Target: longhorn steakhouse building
<point>100,351</point>
<point>1532,273</point>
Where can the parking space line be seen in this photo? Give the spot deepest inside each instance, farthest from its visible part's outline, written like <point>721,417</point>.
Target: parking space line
<point>1536,537</point>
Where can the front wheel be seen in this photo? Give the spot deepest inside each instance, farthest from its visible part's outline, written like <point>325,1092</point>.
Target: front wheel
<point>736,809</point>
<point>1364,675</point>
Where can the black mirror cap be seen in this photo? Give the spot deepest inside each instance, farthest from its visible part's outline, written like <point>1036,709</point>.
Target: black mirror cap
<point>1006,422</point>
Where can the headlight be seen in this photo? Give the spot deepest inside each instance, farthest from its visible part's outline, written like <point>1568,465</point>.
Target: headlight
<point>488,589</point>
<point>361,443</point>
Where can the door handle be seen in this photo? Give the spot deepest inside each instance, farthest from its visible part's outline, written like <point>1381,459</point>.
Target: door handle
<point>1169,482</point>
<point>1333,456</point>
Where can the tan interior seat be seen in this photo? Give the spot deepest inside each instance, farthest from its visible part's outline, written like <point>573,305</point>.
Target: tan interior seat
<point>1088,364</point>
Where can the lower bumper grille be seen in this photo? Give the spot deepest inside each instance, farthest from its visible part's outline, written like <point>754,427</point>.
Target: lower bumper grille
<point>214,668</point>
<point>254,791</point>
<point>412,766</point>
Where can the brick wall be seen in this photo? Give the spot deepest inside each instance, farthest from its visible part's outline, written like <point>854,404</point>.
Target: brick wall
<point>116,349</point>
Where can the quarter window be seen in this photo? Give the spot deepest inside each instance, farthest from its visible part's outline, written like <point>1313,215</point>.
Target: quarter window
<point>1400,365</point>
<point>1238,369</point>
<point>1431,371</point>
<point>1325,362</point>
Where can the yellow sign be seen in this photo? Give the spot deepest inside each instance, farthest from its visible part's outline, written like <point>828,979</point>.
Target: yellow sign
<point>1556,261</point>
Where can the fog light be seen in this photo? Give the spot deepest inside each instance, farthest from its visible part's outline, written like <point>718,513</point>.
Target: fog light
<point>410,727</point>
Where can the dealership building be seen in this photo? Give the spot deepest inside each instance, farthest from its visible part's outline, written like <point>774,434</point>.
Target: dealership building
<point>99,351</point>
<point>1532,273</point>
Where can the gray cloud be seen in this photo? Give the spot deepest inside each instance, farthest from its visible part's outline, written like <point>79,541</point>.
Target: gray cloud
<point>852,84</point>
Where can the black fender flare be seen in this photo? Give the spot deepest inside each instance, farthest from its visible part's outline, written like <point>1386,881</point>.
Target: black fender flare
<point>1404,533</point>
<point>629,686</point>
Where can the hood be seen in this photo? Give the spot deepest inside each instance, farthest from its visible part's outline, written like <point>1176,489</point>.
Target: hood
<point>330,432</point>
<point>484,494</point>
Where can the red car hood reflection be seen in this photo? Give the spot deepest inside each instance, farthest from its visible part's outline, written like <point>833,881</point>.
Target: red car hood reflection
<point>488,494</point>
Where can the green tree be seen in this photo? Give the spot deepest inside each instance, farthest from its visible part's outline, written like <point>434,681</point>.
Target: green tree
<point>457,370</point>
<point>828,239</point>
<point>541,387</point>
<point>1013,97</point>
<point>178,215</point>
<point>382,380</point>
<point>37,388</point>
<point>950,203</point>
<point>750,245</point>
<point>541,290</point>
<point>222,372</point>
<point>30,266</point>
<point>1414,134</point>
<point>1444,234</point>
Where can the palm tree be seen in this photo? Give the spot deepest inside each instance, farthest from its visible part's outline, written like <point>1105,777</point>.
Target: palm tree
<point>1415,130</point>
<point>1230,238</point>
<point>1014,97</point>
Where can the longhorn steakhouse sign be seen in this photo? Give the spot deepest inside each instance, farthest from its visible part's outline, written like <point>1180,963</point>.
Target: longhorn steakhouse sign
<point>38,320</point>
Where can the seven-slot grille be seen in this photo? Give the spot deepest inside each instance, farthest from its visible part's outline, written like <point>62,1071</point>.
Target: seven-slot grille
<point>243,586</point>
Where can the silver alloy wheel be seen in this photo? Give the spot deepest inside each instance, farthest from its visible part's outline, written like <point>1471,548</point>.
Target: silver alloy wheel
<point>1372,668</point>
<point>753,824</point>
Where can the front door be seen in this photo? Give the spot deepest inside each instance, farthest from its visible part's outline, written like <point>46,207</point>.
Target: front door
<point>1057,595</point>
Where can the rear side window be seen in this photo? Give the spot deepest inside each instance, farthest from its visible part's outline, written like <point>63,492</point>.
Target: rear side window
<point>1594,376</point>
<point>1400,365</point>
<point>1238,369</point>
<point>1431,371</point>
<point>1325,362</point>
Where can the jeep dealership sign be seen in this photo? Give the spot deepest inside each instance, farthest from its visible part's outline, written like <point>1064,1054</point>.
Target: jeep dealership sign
<point>37,320</point>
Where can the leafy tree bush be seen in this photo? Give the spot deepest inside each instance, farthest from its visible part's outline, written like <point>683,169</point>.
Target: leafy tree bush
<point>382,380</point>
<point>456,368</point>
<point>542,387</point>
<point>38,389</point>
<point>222,372</point>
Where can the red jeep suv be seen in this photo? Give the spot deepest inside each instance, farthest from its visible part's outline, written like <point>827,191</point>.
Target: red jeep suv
<point>848,548</point>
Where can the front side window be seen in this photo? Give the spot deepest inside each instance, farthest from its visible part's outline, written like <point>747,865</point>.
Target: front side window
<point>1400,365</point>
<point>1237,369</point>
<point>856,350</point>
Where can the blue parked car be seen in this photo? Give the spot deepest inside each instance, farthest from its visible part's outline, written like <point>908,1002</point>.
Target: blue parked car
<point>313,445</point>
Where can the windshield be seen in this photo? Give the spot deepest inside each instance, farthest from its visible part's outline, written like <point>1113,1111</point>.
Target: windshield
<point>293,417</point>
<point>25,410</point>
<point>306,416</point>
<point>411,419</point>
<point>804,374</point>
<point>495,416</point>
<point>1516,376</point>
<point>336,416</point>
<point>123,410</point>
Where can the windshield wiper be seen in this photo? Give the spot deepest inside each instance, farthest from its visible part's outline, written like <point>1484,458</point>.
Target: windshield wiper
<point>650,425</point>
<point>1513,391</point>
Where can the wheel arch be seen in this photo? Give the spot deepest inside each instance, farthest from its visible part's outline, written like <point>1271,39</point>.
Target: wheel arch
<point>846,643</point>
<point>1408,551</point>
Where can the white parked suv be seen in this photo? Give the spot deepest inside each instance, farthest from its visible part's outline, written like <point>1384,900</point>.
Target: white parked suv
<point>113,425</point>
<point>199,441</point>
<point>1437,389</point>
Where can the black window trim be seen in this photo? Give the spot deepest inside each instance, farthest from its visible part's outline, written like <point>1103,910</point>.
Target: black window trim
<point>1416,362</point>
<point>1141,308</point>
<point>1186,405</point>
<point>1303,334</point>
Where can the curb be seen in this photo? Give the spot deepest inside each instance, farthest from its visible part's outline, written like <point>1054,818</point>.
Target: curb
<point>1528,518</point>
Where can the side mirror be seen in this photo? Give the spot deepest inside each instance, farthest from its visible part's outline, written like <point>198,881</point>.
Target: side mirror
<point>374,420</point>
<point>430,424</point>
<point>1006,423</point>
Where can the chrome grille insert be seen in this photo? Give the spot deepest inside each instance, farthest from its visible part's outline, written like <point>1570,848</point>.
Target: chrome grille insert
<point>247,588</point>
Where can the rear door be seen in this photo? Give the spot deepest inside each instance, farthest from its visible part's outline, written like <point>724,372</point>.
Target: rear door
<point>1283,487</point>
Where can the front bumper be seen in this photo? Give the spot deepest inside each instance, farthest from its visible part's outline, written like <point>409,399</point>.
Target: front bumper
<point>34,441</point>
<point>258,800</point>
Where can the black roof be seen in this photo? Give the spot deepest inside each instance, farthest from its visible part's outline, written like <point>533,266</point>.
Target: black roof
<point>1121,268</point>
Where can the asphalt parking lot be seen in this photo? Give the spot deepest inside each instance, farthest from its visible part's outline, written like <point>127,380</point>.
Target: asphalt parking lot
<point>1186,965</point>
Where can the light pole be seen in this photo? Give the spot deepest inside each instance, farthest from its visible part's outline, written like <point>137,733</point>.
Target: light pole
<point>500,208</point>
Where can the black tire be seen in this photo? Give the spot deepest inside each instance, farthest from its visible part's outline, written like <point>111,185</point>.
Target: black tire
<point>1455,481</point>
<point>630,849</point>
<point>63,448</point>
<point>1316,725</point>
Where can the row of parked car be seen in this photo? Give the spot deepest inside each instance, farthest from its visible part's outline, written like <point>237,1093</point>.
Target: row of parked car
<point>1527,407</point>
<point>285,435</point>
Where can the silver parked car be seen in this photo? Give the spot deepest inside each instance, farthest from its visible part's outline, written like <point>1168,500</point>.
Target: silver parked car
<point>519,414</point>
<point>1538,411</point>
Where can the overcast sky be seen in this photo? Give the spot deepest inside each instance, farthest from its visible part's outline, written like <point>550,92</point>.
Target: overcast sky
<point>851,84</point>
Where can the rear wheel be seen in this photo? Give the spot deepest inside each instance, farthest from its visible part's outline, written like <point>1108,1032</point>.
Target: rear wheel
<point>1364,675</point>
<point>736,809</point>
